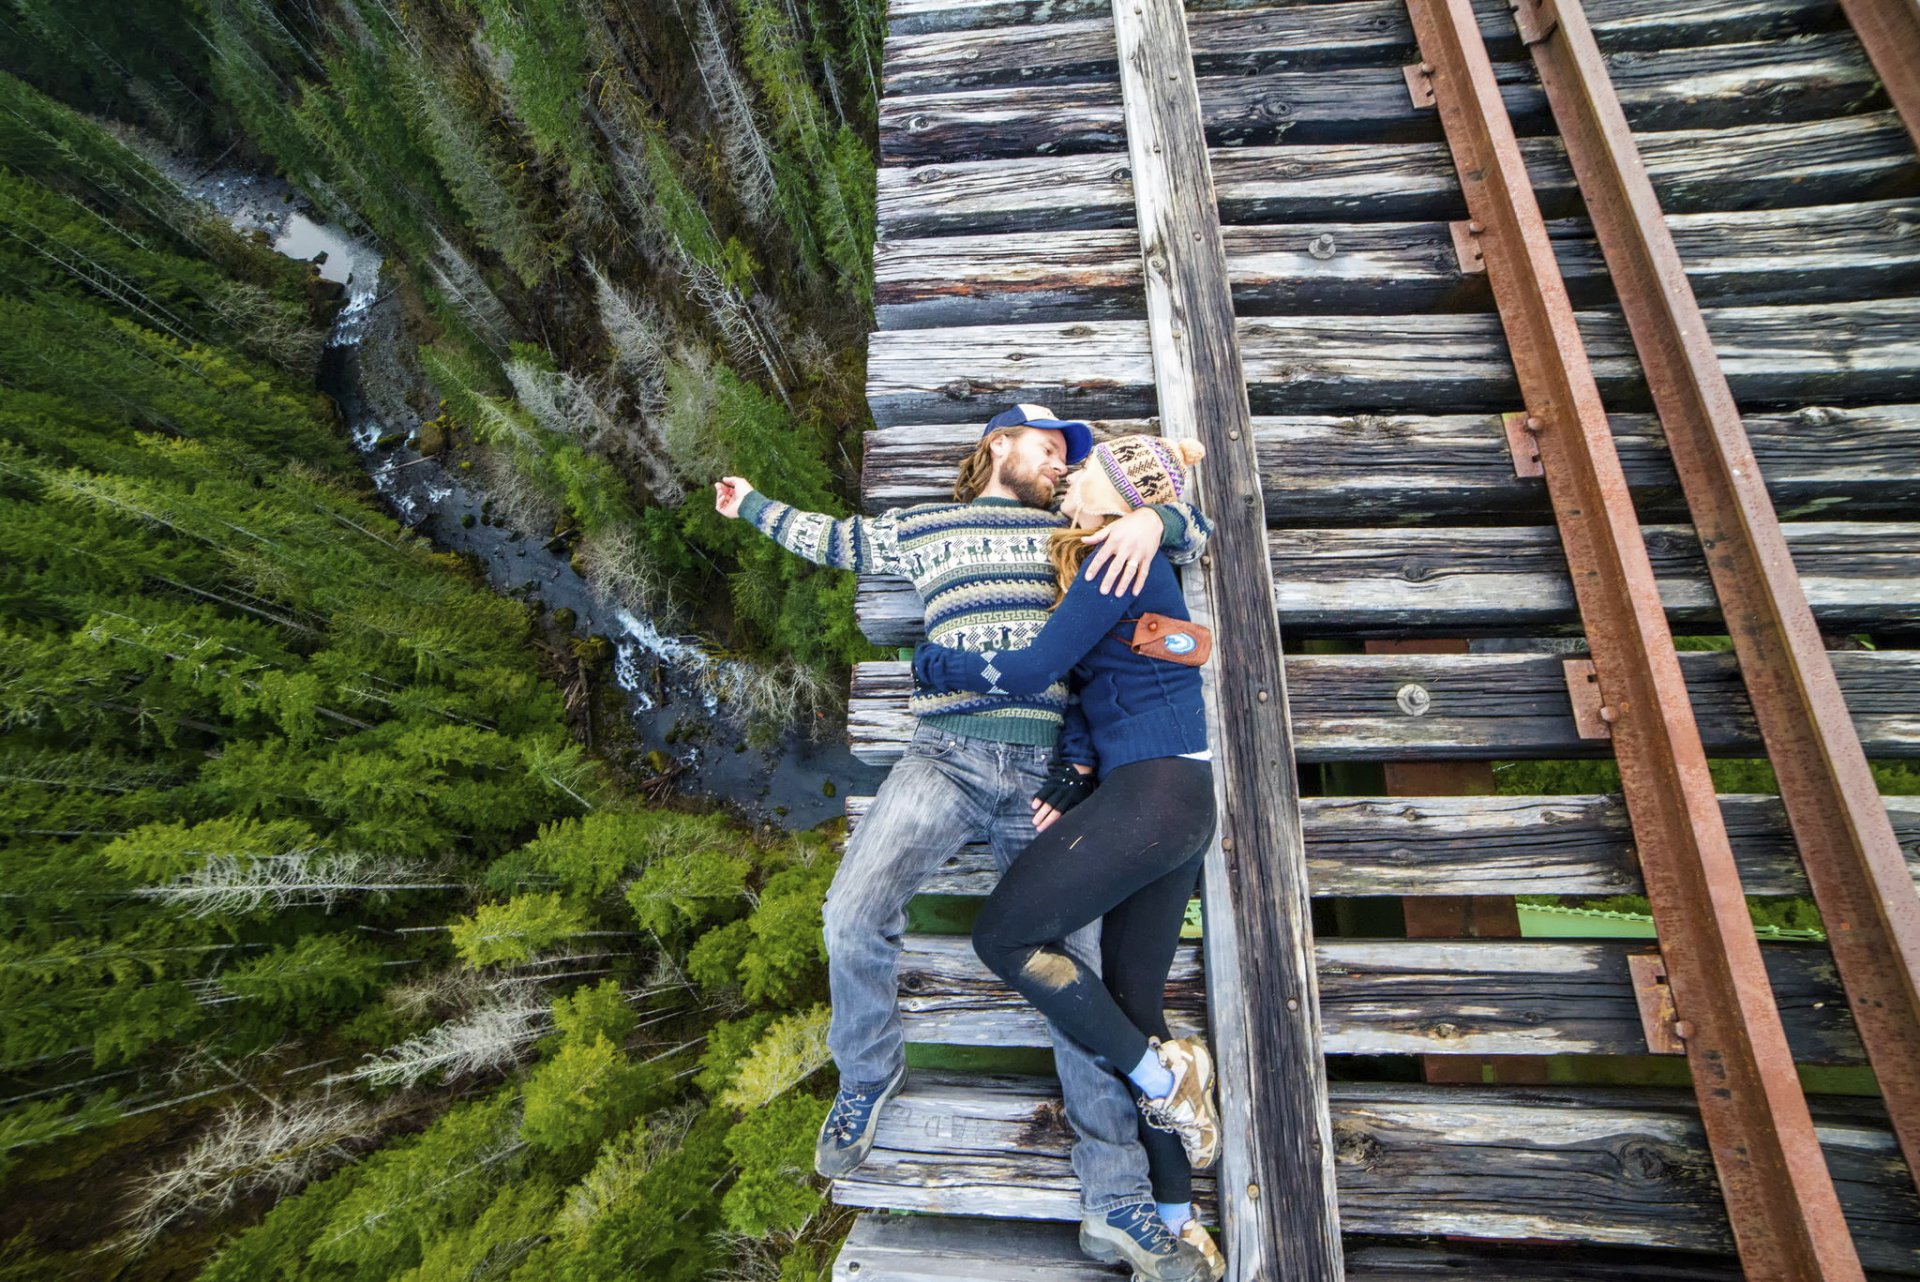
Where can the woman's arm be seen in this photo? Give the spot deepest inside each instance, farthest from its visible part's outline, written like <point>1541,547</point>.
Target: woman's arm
<point>1076,627</point>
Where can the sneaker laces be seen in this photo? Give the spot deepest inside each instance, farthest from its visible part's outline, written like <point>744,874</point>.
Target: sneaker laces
<point>843,1122</point>
<point>1141,1222</point>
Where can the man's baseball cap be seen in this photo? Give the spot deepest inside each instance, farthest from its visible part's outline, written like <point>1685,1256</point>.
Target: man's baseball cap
<point>1079,435</point>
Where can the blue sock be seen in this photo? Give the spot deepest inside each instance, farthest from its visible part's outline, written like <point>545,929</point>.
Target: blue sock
<point>1151,1076</point>
<point>1174,1214</point>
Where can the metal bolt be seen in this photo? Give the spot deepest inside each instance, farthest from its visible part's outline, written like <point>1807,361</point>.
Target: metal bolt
<point>1321,247</point>
<point>1293,1003</point>
<point>1253,1192</point>
<point>1683,1029</point>
<point>1607,714</point>
<point>1475,227</point>
<point>1233,434</point>
<point>1413,700</point>
<point>1533,424</point>
<point>1226,843</point>
<point>1426,68</point>
<point>1262,696</point>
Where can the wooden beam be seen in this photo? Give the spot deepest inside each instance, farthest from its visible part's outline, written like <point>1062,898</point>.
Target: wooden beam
<point>1845,252</point>
<point>1475,707</point>
<point>1409,581</point>
<point>1383,470</point>
<point>1277,1204</point>
<point>1455,1001</point>
<point>1761,166</point>
<point>1503,845</point>
<point>1620,1168</point>
<point>1254,40</point>
<point>1716,86</point>
<point>936,1248</point>
<point>1860,352</point>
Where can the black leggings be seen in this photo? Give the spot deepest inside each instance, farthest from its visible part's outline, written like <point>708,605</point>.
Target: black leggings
<point>1130,856</point>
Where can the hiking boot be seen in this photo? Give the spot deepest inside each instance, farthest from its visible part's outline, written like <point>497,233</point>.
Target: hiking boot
<point>1188,1109</point>
<point>846,1137</point>
<point>1202,1241</point>
<point>1134,1236</point>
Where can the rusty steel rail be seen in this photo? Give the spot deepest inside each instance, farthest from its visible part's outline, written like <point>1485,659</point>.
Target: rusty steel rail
<point>1890,32</point>
<point>1854,863</point>
<point>1780,1199</point>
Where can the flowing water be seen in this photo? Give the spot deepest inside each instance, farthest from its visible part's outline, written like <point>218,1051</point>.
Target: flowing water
<point>366,368</point>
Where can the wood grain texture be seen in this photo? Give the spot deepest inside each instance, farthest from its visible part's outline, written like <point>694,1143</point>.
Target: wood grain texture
<point>1860,352</point>
<point>1622,1168</point>
<point>1765,166</point>
<point>1379,470</point>
<point>1512,580</point>
<point>1844,252</point>
<point>1278,1210</point>
<point>1800,78</point>
<point>1406,997</point>
<point>934,1248</point>
<point>1475,706</point>
<point>1635,25</point>
<point>1503,845</point>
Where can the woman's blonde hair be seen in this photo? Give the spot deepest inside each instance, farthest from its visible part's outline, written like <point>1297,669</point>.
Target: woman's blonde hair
<point>1065,551</point>
<point>977,471</point>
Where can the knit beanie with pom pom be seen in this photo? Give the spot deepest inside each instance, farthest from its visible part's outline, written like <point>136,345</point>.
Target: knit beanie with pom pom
<point>1131,472</point>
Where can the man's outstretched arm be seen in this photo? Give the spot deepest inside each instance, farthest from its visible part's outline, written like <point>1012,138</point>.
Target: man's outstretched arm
<point>865,545</point>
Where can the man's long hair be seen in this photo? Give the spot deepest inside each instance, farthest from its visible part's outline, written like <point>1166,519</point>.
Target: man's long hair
<point>977,471</point>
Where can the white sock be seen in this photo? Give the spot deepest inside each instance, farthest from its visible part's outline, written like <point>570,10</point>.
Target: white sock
<point>1151,1076</point>
<point>1174,1214</point>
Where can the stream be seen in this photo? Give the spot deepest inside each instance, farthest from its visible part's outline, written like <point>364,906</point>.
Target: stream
<point>799,782</point>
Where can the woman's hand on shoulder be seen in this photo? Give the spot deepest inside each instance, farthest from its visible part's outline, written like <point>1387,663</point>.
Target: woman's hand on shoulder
<point>1126,549</point>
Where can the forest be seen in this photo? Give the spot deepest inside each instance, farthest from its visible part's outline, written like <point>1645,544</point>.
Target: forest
<point>331,950</point>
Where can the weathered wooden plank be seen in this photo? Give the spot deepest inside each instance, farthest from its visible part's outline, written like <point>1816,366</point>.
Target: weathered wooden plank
<point>1619,1168</point>
<point>1505,845</point>
<point>1763,166</point>
<point>936,1248</point>
<point>1264,1012</point>
<point>1474,706</point>
<point>1387,470</point>
<point>1800,78</point>
<point>1406,997</point>
<point>1257,39</point>
<point>1637,25</point>
<point>1512,580</point>
<point>1331,363</point>
<point>1852,251</point>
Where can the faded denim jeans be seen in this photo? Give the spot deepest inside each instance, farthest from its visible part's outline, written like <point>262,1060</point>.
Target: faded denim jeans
<point>946,791</point>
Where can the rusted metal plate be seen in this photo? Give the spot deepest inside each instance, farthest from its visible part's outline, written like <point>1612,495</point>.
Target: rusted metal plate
<point>1523,439</point>
<point>1591,717</point>
<point>1465,249</point>
<point>1657,1015</point>
<point>1780,1198</point>
<point>1854,862</point>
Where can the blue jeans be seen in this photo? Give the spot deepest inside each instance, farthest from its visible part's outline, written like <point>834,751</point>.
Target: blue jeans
<point>947,790</point>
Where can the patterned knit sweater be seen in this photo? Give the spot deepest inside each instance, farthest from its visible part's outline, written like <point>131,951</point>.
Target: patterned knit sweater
<point>981,570</point>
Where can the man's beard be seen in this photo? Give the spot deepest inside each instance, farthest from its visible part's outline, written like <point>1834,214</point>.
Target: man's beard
<point>1031,488</point>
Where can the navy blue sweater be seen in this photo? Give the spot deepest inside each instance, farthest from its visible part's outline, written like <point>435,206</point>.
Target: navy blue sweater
<point>1136,707</point>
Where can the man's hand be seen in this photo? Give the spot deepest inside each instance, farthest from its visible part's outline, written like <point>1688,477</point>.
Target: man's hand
<point>729,492</point>
<point>1064,789</point>
<point>1126,548</point>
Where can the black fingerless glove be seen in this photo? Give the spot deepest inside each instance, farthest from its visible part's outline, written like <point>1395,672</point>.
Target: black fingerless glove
<point>1065,788</point>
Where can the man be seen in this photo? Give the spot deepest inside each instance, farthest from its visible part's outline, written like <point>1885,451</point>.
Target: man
<point>971,772</point>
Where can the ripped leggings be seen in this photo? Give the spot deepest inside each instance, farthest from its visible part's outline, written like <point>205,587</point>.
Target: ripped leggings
<point>1130,856</point>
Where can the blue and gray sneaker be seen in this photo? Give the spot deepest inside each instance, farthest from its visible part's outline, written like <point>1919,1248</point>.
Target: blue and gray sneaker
<point>1134,1235</point>
<point>846,1137</point>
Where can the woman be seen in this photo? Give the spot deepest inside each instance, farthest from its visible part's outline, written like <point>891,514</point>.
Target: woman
<point>1130,855</point>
